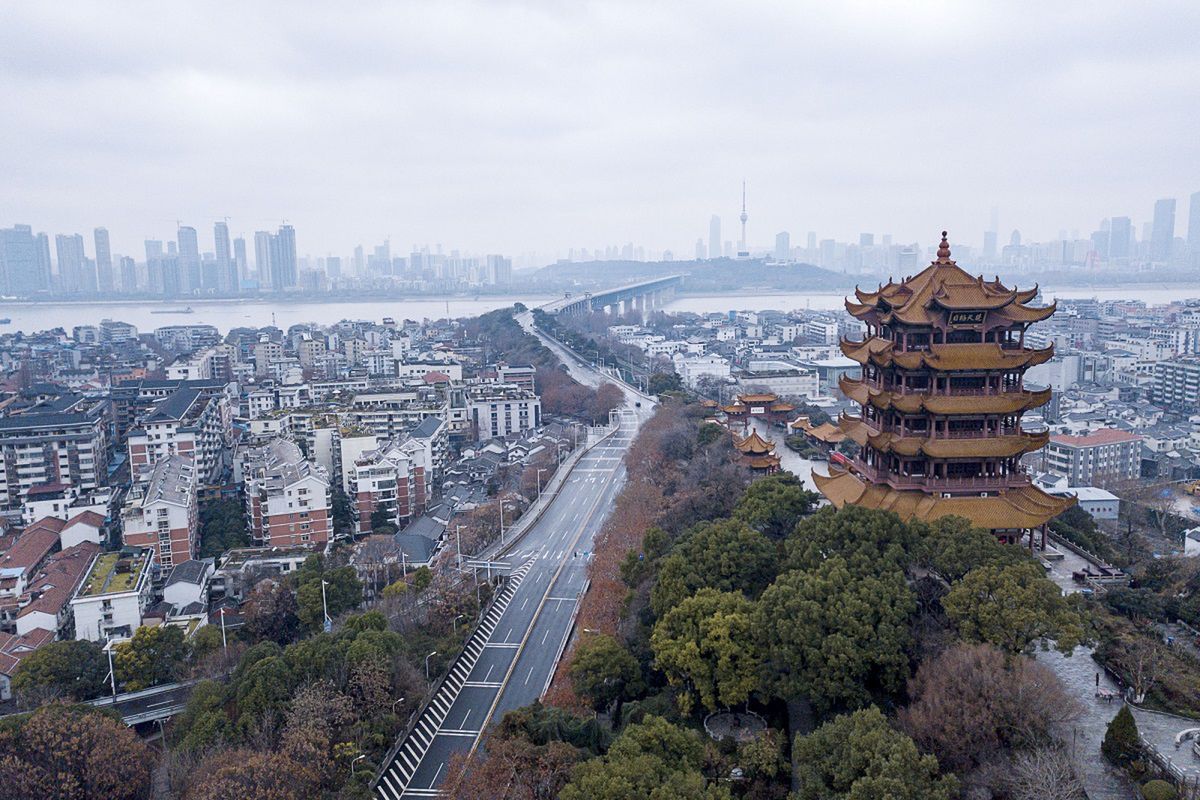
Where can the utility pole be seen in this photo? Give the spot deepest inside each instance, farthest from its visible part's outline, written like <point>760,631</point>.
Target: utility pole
<point>325,608</point>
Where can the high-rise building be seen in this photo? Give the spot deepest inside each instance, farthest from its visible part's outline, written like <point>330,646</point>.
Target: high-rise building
<point>227,274</point>
<point>1193,237</point>
<point>239,259</point>
<point>1162,234</point>
<point>104,264</point>
<point>743,247</point>
<point>701,252</point>
<point>189,259</point>
<point>262,258</point>
<point>783,246</point>
<point>811,243</point>
<point>1120,239</point>
<point>714,237</point>
<point>128,270</point>
<point>21,269</point>
<point>70,262</point>
<point>284,271</point>
<point>948,349</point>
<point>989,244</point>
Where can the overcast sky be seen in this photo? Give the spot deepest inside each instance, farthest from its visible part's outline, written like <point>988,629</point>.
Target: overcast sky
<point>523,127</point>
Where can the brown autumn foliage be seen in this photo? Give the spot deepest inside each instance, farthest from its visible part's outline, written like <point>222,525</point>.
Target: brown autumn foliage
<point>61,752</point>
<point>973,700</point>
<point>249,773</point>
<point>511,769</point>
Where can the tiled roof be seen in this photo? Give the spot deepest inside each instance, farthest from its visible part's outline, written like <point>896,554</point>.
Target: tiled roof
<point>1103,436</point>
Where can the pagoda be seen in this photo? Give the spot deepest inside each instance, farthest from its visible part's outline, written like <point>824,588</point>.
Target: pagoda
<point>757,453</point>
<point>941,398</point>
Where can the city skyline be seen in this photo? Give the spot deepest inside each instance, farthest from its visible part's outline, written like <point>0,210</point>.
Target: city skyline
<point>397,135</point>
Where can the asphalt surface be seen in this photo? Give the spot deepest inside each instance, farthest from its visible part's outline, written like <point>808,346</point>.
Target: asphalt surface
<point>521,654</point>
<point>151,704</point>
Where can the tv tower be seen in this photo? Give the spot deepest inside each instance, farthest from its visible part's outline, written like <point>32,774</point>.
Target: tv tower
<point>744,250</point>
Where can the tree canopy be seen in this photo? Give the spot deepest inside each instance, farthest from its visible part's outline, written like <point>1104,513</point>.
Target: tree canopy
<point>153,656</point>
<point>775,504</point>
<point>73,668</point>
<point>727,555</point>
<point>654,760</point>
<point>707,646</point>
<point>835,635</point>
<point>860,757</point>
<point>603,670</point>
<point>1012,606</point>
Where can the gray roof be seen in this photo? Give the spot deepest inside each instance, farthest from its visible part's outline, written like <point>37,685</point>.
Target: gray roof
<point>417,549</point>
<point>428,428</point>
<point>426,527</point>
<point>174,406</point>
<point>191,571</point>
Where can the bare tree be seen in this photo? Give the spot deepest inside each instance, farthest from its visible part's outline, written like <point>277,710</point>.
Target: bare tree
<point>1044,774</point>
<point>1142,663</point>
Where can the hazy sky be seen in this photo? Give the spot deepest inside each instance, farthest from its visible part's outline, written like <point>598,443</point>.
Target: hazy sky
<point>541,126</point>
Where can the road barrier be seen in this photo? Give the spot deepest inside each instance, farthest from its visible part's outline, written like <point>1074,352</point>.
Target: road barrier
<point>403,759</point>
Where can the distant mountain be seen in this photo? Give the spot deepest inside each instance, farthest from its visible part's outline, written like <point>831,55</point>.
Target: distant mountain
<point>718,275</point>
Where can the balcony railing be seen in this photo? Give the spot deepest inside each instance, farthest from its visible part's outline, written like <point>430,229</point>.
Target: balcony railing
<point>990,483</point>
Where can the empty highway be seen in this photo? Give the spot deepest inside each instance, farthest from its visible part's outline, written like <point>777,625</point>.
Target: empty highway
<point>519,656</point>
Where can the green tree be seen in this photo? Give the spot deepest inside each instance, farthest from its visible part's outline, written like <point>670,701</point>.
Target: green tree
<point>153,656</point>
<point>706,646</point>
<point>859,756</point>
<point>654,760</point>
<point>343,515</point>
<point>664,382</point>
<point>775,504</point>
<point>343,591</point>
<point>1159,789</point>
<point>265,687</point>
<point>222,527</point>
<point>1011,606</point>
<point>727,555</point>
<point>204,723</point>
<point>603,671</point>
<point>951,547</point>
<point>1121,744</point>
<point>74,669</point>
<point>867,540</point>
<point>836,636</point>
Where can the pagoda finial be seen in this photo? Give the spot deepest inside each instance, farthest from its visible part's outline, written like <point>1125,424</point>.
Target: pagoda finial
<point>943,254</point>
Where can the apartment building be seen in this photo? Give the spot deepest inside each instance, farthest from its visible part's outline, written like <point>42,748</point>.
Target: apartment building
<point>63,441</point>
<point>161,514</point>
<point>189,422</point>
<point>395,477</point>
<point>288,498</point>
<point>46,603</point>
<point>1177,383</point>
<point>497,409</point>
<point>1094,458</point>
<point>114,595</point>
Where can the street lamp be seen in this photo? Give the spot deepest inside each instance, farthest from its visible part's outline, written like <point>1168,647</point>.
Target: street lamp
<point>539,482</point>
<point>112,673</point>
<point>224,643</point>
<point>458,544</point>
<point>396,703</point>
<point>454,622</point>
<point>431,655</point>
<point>355,761</point>
<point>325,607</point>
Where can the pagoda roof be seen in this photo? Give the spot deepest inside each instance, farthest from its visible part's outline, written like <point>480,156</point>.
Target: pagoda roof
<point>1001,403</point>
<point>969,357</point>
<point>989,447</point>
<point>781,407</point>
<point>757,399</point>
<point>943,285</point>
<point>736,408</point>
<point>1018,508</point>
<point>769,462</point>
<point>753,444</point>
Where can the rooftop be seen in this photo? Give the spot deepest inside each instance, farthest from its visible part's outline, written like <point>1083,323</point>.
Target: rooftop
<point>113,574</point>
<point>1103,436</point>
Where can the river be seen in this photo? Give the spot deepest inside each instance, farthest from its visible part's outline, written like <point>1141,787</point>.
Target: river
<point>227,314</point>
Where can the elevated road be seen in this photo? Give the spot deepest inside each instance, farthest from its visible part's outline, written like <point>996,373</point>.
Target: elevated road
<point>517,656</point>
<point>644,295</point>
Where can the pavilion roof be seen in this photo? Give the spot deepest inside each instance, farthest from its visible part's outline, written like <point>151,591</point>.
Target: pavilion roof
<point>989,447</point>
<point>944,286</point>
<point>972,357</point>
<point>1000,403</point>
<point>1019,508</point>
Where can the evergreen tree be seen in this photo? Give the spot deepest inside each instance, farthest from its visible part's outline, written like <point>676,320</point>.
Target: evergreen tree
<point>1121,744</point>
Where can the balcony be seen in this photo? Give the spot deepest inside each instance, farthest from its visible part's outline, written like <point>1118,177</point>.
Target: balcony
<point>925,483</point>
